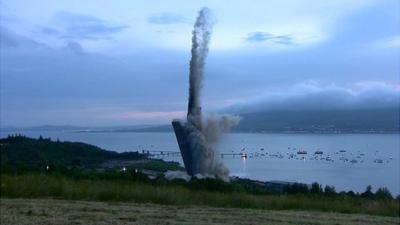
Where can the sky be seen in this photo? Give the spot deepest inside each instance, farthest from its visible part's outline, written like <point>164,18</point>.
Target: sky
<point>97,63</point>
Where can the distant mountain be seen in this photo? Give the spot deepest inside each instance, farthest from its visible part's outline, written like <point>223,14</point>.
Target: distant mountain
<point>76,128</point>
<point>116,128</point>
<point>321,121</point>
<point>300,121</point>
<point>161,128</point>
<point>312,121</point>
<point>43,128</point>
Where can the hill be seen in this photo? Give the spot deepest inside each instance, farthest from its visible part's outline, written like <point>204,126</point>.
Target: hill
<point>23,152</point>
<point>322,121</point>
<point>309,121</point>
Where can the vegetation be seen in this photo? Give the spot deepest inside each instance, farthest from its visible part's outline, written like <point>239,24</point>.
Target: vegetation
<point>64,212</point>
<point>63,187</point>
<point>68,177</point>
<point>23,153</point>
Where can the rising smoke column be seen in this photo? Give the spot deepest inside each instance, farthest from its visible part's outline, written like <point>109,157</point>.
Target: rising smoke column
<point>200,40</point>
<point>198,137</point>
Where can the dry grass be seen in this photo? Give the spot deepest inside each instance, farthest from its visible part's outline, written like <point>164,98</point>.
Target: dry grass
<point>61,187</point>
<point>49,211</point>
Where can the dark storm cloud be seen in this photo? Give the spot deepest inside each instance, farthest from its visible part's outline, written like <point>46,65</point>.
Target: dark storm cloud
<point>166,18</point>
<point>83,27</point>
<point>264,36</point>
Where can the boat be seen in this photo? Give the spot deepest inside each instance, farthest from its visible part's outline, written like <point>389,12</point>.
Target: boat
<point>302,152</point>
<point>318,152</point>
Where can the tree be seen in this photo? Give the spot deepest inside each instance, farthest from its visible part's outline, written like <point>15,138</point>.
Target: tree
<point>383,193</point>
<point>351,193</point>
<point>330,190</point>
<point>316,188</point>
<point>368,192</point>
<point>296,188</point>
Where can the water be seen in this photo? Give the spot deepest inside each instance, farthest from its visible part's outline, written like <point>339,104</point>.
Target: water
<point>274,162</point>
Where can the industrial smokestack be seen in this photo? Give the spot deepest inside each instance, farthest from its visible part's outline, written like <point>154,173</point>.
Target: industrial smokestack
<point>197,138</point>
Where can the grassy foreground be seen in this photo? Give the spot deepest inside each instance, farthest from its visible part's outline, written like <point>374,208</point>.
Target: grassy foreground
<point>61,212</point>
<point>61,187</point>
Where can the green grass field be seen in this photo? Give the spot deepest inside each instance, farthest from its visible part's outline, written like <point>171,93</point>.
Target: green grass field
<point>62,187</point>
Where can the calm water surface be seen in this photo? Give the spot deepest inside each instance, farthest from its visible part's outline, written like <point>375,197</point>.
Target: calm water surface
<point>270,155</point>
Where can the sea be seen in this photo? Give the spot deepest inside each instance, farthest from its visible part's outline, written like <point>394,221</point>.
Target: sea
<point>348,161</point>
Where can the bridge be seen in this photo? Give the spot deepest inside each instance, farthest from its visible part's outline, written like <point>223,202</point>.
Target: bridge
<point>167,154</point>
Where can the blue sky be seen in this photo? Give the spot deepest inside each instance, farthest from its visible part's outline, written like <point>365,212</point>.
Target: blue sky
<point>126,62</point>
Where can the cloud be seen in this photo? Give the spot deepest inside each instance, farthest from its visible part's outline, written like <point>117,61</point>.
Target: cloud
<point>166,18</point>
<point>75,47</point>
<point>264,36</point>
<point>311,96</point>
<point>385,43</point>
<point>10,39</point>
<point>83,27</point>
<point>50,31</point>
<point>157,115</point>
<point>51,84</point>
